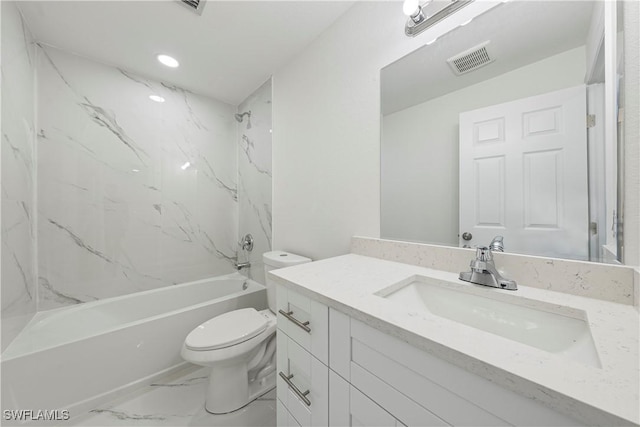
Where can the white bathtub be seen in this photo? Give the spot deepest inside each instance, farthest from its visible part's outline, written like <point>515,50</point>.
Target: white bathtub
<point>73,358</point>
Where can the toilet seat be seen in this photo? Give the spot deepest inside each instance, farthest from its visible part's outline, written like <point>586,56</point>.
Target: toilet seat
<point>226,330</point>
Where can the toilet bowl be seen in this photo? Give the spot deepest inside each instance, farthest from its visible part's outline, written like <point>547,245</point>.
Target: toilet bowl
<point>239,347</point>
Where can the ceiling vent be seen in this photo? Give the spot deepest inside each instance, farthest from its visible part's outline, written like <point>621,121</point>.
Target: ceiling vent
<point>194,5</point>
<point>471,59</point>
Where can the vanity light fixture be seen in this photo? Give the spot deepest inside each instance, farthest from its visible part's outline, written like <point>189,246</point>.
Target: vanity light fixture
<point>413,10</point>
<point>156,98</point>
<point>418,21</point>
<point>169,61</point>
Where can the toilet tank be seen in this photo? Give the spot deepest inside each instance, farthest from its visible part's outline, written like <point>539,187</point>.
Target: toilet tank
<point>274,260</point>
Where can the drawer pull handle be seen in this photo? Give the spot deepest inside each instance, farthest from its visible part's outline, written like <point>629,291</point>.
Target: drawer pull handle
<point>296,390</point>
<point>289,315</point>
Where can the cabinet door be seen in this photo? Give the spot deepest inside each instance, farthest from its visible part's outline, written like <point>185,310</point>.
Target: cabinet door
<point>421,389</point>
<point>304,320</point>
<point>303,383</point>
<point>284,418</point>
<point>349,407</point>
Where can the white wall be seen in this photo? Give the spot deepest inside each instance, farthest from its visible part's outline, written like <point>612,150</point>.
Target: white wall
<point>18,277</point>
<point>326,129</point>
<point>419,185</point>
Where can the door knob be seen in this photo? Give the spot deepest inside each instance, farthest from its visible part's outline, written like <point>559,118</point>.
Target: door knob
<point>467,236</point>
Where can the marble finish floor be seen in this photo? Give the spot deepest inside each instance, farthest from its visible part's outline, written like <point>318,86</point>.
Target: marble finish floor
<point>177,400</point>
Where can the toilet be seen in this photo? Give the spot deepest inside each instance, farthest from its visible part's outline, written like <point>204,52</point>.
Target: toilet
<point>239,346</point>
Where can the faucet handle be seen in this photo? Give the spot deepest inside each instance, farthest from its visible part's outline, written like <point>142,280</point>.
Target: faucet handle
<point>246,243</point>
<point>497,244</point>
<point>483,253</point>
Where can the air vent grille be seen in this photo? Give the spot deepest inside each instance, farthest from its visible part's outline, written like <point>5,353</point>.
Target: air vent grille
<point>471,59</point>
<point>195,5</point>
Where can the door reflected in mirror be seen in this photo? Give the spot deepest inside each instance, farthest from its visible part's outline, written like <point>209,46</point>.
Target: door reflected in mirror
<point>498,129</point>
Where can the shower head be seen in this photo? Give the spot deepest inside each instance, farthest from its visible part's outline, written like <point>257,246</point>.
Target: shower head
<point>240,116</point>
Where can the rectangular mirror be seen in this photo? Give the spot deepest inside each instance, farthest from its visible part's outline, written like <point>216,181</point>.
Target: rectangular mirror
<point>497,128</point>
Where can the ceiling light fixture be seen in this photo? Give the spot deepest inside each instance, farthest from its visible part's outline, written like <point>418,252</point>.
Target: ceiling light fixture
<point>185,166</point>
<point>168,61</point>
<point>156,98</point>
<point>418,22</point>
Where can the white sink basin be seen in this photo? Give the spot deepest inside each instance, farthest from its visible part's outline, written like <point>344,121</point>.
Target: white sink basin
<point>555,329</point>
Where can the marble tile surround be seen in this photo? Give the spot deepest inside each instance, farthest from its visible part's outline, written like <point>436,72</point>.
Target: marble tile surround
<point>600,281</point>
<point>254,176</point>
<point>132,194</point>
<point>18,280</point>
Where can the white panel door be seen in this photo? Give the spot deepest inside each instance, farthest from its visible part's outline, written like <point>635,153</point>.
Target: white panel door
<point>523,175</point>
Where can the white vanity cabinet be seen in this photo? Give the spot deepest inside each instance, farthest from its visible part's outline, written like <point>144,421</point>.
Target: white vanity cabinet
<point>416,388</point>
<point>302,359</point>
<point>349,407</point>
<point>339,371</point>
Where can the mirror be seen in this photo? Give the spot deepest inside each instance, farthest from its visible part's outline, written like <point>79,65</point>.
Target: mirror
<point>497,128</point>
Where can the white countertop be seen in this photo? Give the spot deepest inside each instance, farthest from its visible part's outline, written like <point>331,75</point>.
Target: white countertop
<point>603,396</point>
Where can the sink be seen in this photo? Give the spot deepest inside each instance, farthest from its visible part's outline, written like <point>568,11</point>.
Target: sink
<point>555,329</point>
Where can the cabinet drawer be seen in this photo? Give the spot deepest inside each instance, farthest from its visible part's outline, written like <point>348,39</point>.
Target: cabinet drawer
<point>303,383</point>
<point>284,417</point>
<point>305,321</point>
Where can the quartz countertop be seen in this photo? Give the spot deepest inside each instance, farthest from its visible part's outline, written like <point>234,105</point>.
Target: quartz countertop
<point>607,395</point>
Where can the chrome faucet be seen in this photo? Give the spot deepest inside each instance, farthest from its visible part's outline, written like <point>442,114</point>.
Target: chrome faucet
<point>246,245</point>
<point>497,244</point>
<point>484,272</point>
<point>241,265</point>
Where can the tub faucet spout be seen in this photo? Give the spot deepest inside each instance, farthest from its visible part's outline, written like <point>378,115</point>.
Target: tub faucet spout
<point>241,265</point>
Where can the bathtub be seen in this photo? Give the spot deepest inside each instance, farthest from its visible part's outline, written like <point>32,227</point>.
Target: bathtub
<point>74,358</point>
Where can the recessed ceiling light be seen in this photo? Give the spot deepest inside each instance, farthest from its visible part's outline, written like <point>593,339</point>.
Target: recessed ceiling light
<point>156,98</point>
<point>168,61</point>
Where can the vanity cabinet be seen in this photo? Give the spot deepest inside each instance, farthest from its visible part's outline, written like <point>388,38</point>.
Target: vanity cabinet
<point>305,321</point>
<point>349,407</point>
<point>416,388</point>
<point>302,360</point>
<point>342,372</point>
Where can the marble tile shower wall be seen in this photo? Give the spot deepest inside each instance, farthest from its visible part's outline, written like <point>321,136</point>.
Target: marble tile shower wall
<point>132,194</point>
<point>254,176</point>
<point>18,187</point>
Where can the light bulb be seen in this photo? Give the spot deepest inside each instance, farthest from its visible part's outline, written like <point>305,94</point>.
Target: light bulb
<point>168,61</point>
<point>411,7</point>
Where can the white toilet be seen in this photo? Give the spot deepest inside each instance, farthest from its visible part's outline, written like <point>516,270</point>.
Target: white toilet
<point>239,346</point>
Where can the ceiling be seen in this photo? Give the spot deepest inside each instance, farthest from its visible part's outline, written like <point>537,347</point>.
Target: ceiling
<point>520,33</point>
<point>226,53</point>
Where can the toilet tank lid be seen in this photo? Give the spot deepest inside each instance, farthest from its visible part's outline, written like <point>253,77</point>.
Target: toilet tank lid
<point>282,259</point>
